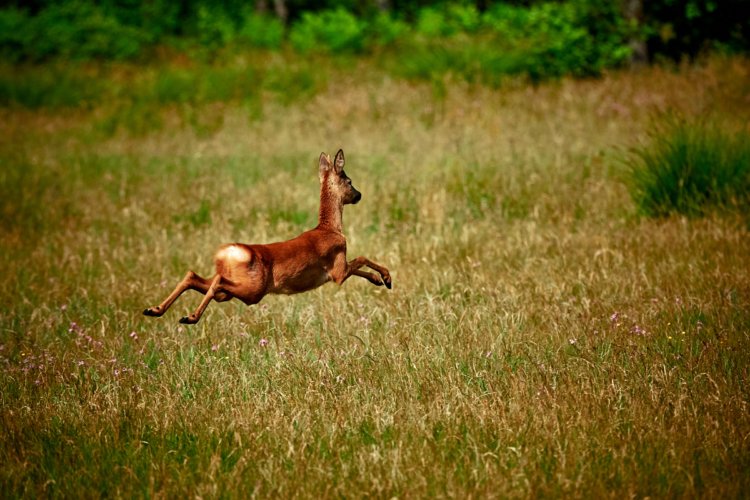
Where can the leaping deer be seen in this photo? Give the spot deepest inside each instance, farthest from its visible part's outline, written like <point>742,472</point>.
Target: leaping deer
<point>250,272</point>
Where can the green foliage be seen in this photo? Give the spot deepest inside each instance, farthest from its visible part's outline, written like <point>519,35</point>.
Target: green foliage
<point>215,28</point>
<point>448,19</point>
<point>75,29</point>
<point>551,40</point>
<point>690,168</point>
<point>333,30</point>
<point>262,32</point>
<point>384,30</point>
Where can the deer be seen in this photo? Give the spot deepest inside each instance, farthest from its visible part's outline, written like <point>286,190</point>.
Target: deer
<point>250,272</point>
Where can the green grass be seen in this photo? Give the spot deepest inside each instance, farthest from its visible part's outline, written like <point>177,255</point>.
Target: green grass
<point>690,168</point>
<point>541,339</point>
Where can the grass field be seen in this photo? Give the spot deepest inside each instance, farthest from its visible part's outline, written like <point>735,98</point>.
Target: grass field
<point>541,340</point>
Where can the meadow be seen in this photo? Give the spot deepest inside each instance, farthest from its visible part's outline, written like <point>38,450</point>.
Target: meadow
<point>542,338</point>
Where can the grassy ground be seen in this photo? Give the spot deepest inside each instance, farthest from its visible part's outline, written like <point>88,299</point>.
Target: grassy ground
<point>540,339</point>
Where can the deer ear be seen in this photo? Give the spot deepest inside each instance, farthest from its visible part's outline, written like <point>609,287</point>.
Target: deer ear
<point>338,162</point>
<point>323,165</point>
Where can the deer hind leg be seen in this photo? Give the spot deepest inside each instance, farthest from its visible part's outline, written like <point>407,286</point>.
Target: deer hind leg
<point>216,291</point>
<point>191,282</point>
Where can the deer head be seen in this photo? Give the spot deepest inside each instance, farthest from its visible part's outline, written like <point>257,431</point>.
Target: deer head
<point>333,175</point>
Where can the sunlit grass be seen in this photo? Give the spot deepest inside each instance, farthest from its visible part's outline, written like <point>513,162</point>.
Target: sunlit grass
<point>540,339</point>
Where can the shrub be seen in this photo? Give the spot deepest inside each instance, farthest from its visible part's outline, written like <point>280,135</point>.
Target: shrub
<point>690,168</point>
<point>76,29</point>
<point>215,28</point>
<point>551,40</point>
<point>384,30</point>
<point>264,32</point>
<point>448,20</point>
<point>330,30</point>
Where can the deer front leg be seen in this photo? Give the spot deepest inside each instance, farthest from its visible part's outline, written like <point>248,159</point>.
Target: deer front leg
<point>191,282</point>
<point>372,278</point>
<point>380,269</point>
<point>342,270</point>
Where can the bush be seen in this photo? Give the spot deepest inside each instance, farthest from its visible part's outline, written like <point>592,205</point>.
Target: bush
<point>214,27</point>
<point>77,30</point>
<point>550,40</point>
<point>448,20</point>
<point>263,32</point>
<point>690,168</point>
<point>384,30</point>
<point>330,30</point>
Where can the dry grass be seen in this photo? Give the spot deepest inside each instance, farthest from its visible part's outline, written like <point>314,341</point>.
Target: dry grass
<point>540,339</point>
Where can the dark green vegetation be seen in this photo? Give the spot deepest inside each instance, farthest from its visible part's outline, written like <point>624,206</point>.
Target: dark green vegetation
<point>690,167</point>
<point>541,339</point>
<point>475,40</point>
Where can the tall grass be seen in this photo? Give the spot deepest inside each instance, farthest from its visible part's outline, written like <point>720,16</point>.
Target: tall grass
<point>690,167</point>
<point>539,341</point>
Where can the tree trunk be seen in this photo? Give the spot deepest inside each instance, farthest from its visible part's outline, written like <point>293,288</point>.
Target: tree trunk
<point>261,6</point>
<point>281,11</point>
<point>384,6</point>
<point>634,12</point>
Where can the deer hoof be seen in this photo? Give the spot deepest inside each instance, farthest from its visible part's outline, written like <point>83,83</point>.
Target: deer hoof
<point>151,311</point>
<point>388,284</point>
<point>188,320</point>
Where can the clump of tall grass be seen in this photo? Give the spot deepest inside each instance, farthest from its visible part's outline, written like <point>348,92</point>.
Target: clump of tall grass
<point>690,168</point>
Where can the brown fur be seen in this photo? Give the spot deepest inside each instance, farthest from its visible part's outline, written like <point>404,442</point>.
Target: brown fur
<point>250,272</point>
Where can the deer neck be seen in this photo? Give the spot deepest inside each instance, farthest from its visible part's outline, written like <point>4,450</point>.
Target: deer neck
<point>331,214</point>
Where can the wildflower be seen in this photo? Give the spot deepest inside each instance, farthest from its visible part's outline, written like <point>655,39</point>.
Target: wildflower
<point>132,334</point>
<point>2,347</point>
<point>573,341</point>
<point>117,372</point>
<point>683,333</point>
<point>80,363</point>
<point>670,338</point>
<point>596,332</point>
<point>242,334</point>
<point>52,280</point>
<point>654,300</point>
<point>163,284</point>
<point>360,380</point>
<point>64,307</point>
<point>179,330</point>
<point>213,347</point>
<point>614,316</point>
<point>37,382</point>
<point>362,318</point>
<point>242,324</point>
<point>113,360</point>
<point>263,342</point>
<point>361,305</point>
<point>264,306</point>
<point>488,354</point>
<point>677,300</point>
